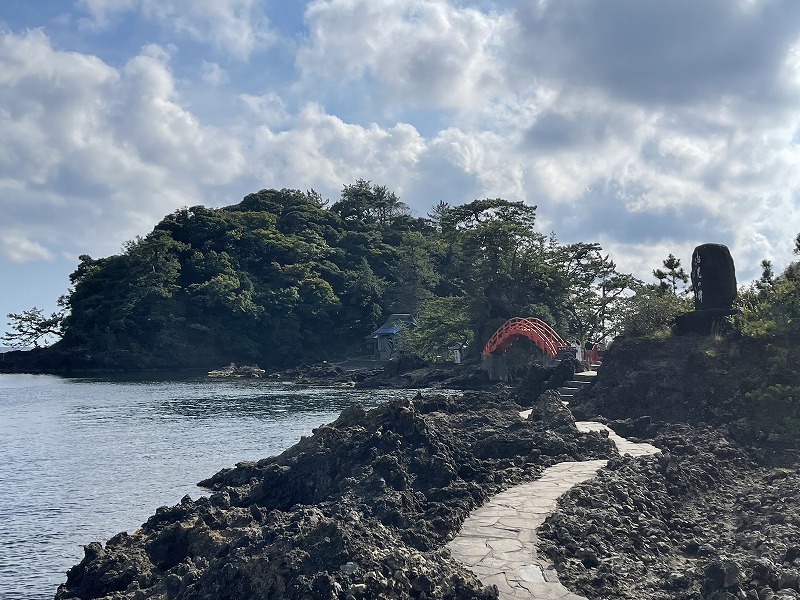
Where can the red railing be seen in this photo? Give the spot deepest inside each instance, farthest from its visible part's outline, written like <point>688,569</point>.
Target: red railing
<point>530,327</point>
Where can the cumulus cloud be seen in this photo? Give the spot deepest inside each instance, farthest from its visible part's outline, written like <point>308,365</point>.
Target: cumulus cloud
<point>320,150</point>
<point>659,52</point>
<point>418,52</point>
<point>212,74</point>
<point>647,126</point>
<point>17,248</point>
<point>92,154</point>
<point>236,27</point>
<point>269,108</point>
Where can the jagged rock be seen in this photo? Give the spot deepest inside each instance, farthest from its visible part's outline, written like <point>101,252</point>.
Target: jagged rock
<point>361,509</point>
<point>551,412</point>
<point>243,371</point>
<point>712,516</point>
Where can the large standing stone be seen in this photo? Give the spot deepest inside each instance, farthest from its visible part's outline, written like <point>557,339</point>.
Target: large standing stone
<point>713,277</point>
<point>714,283</point>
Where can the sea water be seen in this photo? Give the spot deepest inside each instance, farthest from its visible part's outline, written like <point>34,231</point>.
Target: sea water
<point>83,459</point>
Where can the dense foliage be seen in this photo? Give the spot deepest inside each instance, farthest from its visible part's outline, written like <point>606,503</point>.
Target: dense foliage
<point>769,322</point>
<point>771,306</point>
<point>651,310</point>
<point>282,278</point>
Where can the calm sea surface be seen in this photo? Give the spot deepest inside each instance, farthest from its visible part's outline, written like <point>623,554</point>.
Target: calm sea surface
<point>83,459</point>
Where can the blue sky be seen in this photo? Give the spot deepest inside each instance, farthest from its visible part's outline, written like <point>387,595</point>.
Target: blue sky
<point>647,126</point>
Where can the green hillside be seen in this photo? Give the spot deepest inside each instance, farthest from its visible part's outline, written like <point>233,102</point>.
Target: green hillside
<point>285,277</point>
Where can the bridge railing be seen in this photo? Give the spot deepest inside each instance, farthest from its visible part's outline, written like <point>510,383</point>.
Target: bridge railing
<point>544,336</point>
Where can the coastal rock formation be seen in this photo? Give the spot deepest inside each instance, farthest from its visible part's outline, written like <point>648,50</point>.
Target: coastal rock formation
<point>743,384</point>
<point>239,371</point>
<point>361,509</point>
<point>699,521</point>
<point>716,515</point>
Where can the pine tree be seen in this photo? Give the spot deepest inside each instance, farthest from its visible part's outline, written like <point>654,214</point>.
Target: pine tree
<point>671,274</point>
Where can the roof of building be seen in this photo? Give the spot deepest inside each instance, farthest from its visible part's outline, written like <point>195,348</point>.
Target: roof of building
<point>394,324</point>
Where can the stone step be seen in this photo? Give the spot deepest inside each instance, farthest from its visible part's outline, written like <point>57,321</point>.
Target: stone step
<point>577,384</point>
<point>585,376</point>
<point>572,387</point>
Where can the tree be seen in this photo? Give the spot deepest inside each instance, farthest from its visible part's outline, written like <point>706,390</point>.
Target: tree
<point>441,323</point>
<point>669,278</point>
<point>770,307</point>
<point>591,288</point>
<point>484,246</point>
<point>32,328</point>
<point>438,214</point>
<point>374,204</point>
<point>767,279</point>
<point>651,311</point>
<point>413,273</point>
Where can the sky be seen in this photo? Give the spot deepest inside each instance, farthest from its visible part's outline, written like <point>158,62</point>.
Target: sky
<point>647,126</point>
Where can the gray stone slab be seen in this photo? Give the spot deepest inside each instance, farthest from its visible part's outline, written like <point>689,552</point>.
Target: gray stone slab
<point>531,573</point>
<point>498,540</point>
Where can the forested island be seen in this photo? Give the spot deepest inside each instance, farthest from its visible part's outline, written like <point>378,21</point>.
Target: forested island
<point>285,277</point>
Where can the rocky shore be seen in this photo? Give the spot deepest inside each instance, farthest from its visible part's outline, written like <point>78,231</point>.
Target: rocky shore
<point>405,372</point>
<point>364,506</point>
<point>701,520</point>
<point>716,516</point>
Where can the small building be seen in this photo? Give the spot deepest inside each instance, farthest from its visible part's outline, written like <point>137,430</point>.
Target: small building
<point>383,344</point>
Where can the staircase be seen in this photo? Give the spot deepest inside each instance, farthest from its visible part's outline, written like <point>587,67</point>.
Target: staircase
<point>577,384</point>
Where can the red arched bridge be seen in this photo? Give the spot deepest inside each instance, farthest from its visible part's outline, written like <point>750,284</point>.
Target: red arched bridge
<point>532,328</point>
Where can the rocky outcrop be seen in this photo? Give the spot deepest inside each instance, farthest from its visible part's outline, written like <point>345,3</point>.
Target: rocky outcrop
<point>405,372</point>
<point>361,509</point>
<point>714,516</point>
<point>551,412</point>
<point>745,385</point>
<point>238,372</point>
<point>701,521</point>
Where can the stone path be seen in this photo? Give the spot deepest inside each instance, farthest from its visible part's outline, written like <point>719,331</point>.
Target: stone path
<point>498,540</point>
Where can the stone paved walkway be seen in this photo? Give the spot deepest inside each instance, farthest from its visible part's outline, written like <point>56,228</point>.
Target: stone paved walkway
<point>498,540</point>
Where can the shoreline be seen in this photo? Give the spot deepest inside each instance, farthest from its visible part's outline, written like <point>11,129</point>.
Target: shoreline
<point>365,506</point>
<point>369,495</point>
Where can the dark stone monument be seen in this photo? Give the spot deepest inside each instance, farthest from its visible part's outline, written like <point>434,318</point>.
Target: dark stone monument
<point>713,277</point>
<point>714,283</point>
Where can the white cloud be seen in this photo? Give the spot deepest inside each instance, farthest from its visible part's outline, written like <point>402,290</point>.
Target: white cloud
<point>484,157</point>
<point>663,121</point>
<point>236,27</point>
<point>678,52</point>
<point>320,150</point>
<point>649,127</point>
<point>102,11</point>
<point>418,52</point>
<point>269,108</point>
<point>213,74</point>
<point>17,248</point>
<point>93,155</point>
